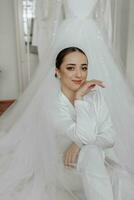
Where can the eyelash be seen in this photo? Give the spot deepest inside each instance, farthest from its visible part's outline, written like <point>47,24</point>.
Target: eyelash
<point>72,68</point>
<point>84,68</point>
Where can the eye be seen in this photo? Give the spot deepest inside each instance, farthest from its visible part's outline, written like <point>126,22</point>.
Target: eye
<point>84,68</point>
<point>70,68</point>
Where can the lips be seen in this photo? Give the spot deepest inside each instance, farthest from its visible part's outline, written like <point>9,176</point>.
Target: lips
<point>77,81</point>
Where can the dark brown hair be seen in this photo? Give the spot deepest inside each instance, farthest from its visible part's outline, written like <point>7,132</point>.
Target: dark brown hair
<point>61,55</point>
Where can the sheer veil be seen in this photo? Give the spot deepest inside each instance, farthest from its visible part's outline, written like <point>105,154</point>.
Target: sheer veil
<point>27,141</point>
<point>45,65</point>
<point>27,144</point>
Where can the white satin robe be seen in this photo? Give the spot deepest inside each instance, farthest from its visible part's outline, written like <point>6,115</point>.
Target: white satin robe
<point>88,124</point>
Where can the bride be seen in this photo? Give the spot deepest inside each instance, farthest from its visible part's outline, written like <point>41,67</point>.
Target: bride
<point>28,168</point>
<point>83,118</point>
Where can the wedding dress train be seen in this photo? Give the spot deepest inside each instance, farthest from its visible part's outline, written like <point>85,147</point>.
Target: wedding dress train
<point>29,169</point>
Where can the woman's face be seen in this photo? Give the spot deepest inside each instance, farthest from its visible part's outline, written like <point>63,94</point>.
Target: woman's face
<point>73,72</point>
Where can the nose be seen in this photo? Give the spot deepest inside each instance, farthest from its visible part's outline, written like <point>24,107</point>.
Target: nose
<point>78,73</point>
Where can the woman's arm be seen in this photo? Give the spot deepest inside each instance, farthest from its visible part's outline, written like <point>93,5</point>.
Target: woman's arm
<point>82,129</point>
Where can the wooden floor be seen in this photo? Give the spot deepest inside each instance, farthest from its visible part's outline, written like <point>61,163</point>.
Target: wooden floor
<point>4,104</point>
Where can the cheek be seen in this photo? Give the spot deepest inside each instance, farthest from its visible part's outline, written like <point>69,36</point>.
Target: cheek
<point>67,75</point>
<point>85,75</point>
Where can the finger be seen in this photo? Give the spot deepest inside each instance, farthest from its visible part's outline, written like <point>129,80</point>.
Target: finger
<point>71,154</point>
<point>74,157</point>
<point>75,154</point>
<point>92,86</point>
<point>101,85</point>
<point>72,165</point>
<point>96,82</point>
<point>68,158</point>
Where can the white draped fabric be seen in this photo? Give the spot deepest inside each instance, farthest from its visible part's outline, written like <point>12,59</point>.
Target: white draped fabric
<point>29,167</point>
<point>46,17</point>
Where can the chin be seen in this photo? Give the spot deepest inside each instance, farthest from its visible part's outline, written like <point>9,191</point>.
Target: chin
<point>74,89</point>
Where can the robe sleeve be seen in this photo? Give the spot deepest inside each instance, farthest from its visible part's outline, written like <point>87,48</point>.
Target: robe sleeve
<point>87,129</point>
<point>106,134</point>
<point>81,130</point>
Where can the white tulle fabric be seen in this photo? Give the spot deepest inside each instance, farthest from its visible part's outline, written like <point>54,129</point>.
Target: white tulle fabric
<point>28,151</point>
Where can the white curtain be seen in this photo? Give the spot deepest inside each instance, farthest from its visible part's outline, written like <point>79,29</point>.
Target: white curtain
<point>120,18</point>
<point>130,47</point>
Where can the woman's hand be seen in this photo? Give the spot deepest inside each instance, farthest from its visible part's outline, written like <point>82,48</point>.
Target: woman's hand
<point>86,87</point>
<point>71,154</point>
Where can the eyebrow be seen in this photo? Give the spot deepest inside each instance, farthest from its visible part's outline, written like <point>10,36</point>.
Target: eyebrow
<point>72,64</point>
